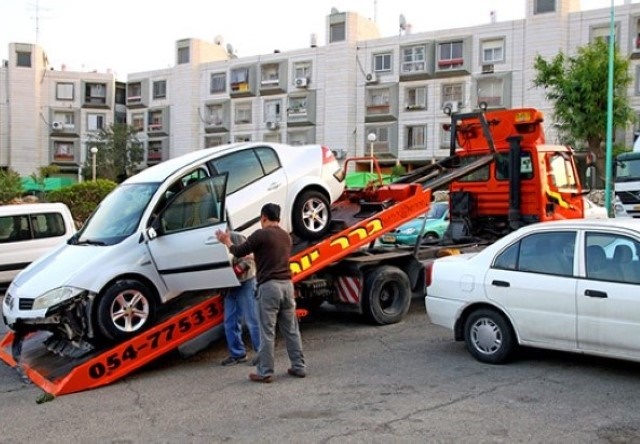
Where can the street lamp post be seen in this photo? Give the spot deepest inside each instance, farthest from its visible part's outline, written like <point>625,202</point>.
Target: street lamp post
<point>94,151</point>
<point>372,139</point>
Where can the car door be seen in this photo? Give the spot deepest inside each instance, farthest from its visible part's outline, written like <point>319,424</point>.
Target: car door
<point>255,178</point>
<point>609,296</point>
<point>533,281</point>
<point>186,252</point>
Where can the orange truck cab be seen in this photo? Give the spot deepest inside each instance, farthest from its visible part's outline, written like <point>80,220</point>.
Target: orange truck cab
<point>529,181</point>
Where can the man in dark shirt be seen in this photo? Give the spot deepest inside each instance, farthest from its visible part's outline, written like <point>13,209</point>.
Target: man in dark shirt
<point>271,247</point>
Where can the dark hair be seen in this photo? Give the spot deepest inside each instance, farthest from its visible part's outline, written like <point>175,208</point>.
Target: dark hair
<point>271,211</point>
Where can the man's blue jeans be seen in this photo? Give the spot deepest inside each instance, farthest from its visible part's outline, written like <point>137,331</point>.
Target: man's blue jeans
<point>239,306</point>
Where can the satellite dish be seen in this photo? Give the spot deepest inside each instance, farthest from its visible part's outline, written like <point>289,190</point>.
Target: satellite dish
<point>334,10</point>
<point>403,22</point>
<point>218,40</point>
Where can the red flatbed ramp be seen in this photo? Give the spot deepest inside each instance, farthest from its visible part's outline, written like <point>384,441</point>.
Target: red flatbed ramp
<point>59,375</point>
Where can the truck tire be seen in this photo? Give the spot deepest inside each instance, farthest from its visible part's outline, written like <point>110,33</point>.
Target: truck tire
<point>489,336</point>
<point>387,295</point>
<point>126,308</point>
<point>311,216</point>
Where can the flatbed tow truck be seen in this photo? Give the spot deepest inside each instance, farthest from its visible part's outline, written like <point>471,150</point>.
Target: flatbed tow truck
<point>347,268</point>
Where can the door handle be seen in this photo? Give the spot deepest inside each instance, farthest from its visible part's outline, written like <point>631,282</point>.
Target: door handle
<point>274,186</point>
<point>211,240</point>
<point>501,283</point>
<point>595,294</point>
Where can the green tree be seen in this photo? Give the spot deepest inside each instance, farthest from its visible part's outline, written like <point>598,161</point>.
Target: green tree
<point>119,153</point>
<point>10,185</point>
<point>578,87</point>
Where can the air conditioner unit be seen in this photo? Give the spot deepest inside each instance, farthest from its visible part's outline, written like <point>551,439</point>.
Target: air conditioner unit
<point>451,107</point>
<point>371,77</point>
<point>57,126</point>
<point>273,125</point>
<point>301,82</point>
<point>487,69</point>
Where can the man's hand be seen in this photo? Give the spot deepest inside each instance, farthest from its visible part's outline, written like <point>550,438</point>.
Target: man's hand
<point>223,237</point>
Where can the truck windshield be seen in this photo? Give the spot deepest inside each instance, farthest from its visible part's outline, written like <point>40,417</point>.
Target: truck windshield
<point>627,169</point>
<point>118,215</point>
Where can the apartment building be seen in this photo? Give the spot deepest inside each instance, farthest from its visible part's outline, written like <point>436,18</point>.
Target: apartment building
<point>359,83</point>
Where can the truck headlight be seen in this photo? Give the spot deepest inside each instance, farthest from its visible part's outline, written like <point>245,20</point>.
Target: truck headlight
<point>55,296</point>
<point>618,209</point>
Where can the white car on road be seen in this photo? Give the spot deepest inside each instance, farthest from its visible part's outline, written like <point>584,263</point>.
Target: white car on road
<point>153,237</point>
<point>567,285</point>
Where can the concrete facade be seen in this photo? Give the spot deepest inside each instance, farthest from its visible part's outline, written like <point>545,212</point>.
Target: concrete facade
<point>336,95</point>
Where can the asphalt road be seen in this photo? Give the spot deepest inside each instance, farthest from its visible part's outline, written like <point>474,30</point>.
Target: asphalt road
<point>407,382</point>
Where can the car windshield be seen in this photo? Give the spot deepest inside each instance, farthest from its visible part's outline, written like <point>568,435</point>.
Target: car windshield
<point>118,215</point>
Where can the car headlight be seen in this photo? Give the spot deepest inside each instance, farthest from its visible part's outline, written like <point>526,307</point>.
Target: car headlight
<point>408,231</point>
<point>55,296</point>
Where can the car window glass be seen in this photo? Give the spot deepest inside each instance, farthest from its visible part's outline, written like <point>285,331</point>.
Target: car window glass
<point>14,228</point>
<point>47,225</point>
<point>480,175</point>
<point>508,259</point>
<point>198,205</point>
<point>548,253</point>
<point>612,257</point>
<point>268,158</point>
<point>502,166</point>
<point>243,168</point>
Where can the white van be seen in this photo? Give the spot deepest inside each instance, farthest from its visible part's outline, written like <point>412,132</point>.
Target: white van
<point>28,231</point>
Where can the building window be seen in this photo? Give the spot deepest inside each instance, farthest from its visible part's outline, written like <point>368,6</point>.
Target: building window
<point>382,62</point>
<point>134,92</point>
<point>210,141</point>
<point>183,55</point>
<point>543,6</point>
<point>272,137</point>
<point>64,91</point>
<point>242,138</point>
<point>218,83</point>
<point>155,121</point>
<point>269,74</point>
<point>272,109</point>
<point>215,115</point>
<point>137,121</point>
<point>297,106</point>
<point>637,79</point>
<point>240,79</point>
<point>416,98</point>
<point>378,101</point>
<point>452,92</point>
<point>301,70</point>
<point>445,137</point>
<point>66,118</point>
<point>95,122</point>
<point>337,32</point>
<point>416,137</point>
<point>491,91</point>
<point>450,55</point>
<point>23,59</point>
<point>414,59</point>
<point>242,113</point>
<point>297,138</point>
<point>602,32</point>
<point>154,151</point>
<point>160,89</point>
<point>96,93</point>
<point>492,51</point>
<point>381,145</point>
<point>63,151</point>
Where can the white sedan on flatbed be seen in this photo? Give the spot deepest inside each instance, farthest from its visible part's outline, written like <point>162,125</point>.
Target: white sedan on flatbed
<point>567,285</point>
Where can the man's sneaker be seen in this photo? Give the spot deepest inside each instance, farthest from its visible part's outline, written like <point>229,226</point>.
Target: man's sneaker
<point>259,378</point>
<point>233,361</point>
<point>297,372</point>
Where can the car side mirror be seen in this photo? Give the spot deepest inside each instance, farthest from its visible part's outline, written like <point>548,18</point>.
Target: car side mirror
<point>151,233</point>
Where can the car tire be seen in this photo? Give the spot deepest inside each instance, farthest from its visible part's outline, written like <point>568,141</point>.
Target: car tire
<point>430,236</point>
<point>125,309</point>
<point>386,295</point>
<point>489,336</point>
<point>311,215</point>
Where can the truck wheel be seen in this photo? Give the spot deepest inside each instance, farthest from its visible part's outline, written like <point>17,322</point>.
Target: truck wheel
<point>311,215</point>
<point>125,309</point>
<point>387,295</point>
<point>489,336</point>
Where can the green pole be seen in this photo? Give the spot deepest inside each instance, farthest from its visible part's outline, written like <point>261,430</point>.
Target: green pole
<point>609,148</point>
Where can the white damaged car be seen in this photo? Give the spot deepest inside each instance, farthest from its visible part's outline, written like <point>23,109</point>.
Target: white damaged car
<point>153,238</point>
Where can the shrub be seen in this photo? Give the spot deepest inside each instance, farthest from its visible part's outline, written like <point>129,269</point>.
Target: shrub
<point>10,185</point>
<point>82,198</point>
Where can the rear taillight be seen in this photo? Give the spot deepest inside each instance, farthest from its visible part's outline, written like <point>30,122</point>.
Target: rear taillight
<point>327,155</point>
<point>428,273</point>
